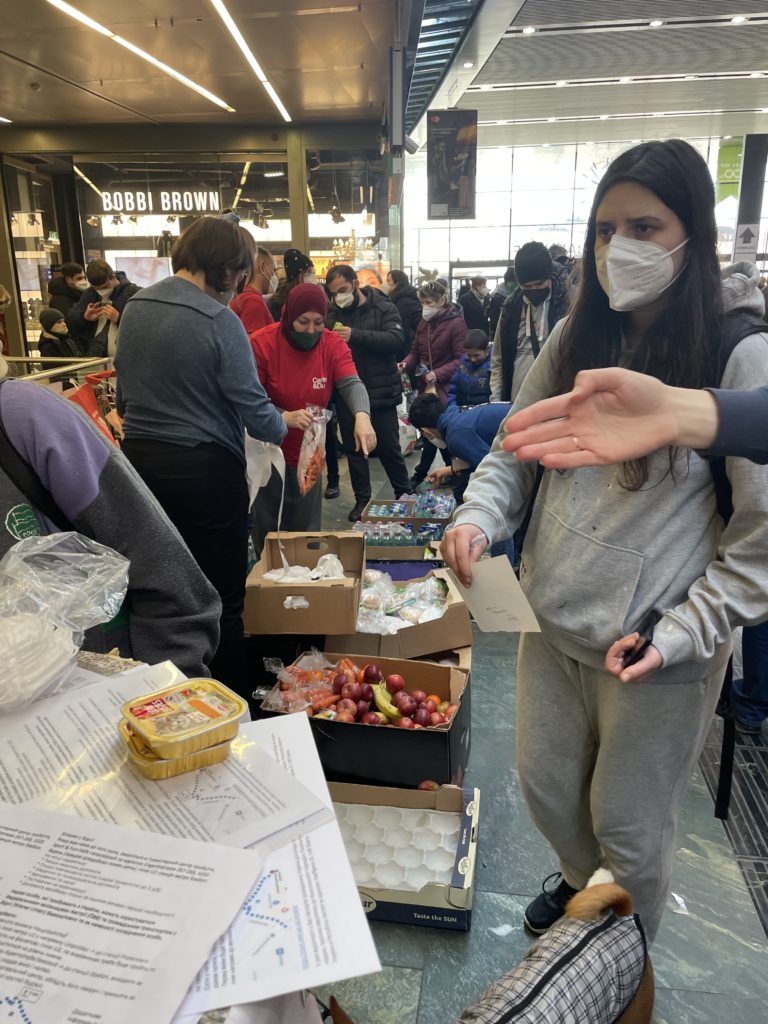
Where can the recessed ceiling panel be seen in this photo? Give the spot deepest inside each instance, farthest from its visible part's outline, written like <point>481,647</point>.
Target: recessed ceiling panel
<point>577,12</point>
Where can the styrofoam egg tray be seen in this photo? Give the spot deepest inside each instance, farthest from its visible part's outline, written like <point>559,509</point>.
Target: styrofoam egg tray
<point>399,847</point>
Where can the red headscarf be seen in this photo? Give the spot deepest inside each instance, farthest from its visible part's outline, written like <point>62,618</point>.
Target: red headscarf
<point>304,298</point>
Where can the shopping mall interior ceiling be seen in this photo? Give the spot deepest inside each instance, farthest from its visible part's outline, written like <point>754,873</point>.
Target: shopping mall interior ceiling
<point>561,71</point>
<point>319,60</point>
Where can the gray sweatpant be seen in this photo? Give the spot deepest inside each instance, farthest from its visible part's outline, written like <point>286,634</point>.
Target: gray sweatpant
<point>604,766</point>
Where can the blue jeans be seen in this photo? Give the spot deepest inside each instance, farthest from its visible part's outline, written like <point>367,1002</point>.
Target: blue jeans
<point>750,694</point>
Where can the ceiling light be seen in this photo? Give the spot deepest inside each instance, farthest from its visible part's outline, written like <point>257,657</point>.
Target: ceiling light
<point>468,64</point>
<point>551,119</point>
<point>656,23</point>
<point>528,30</point>
<point>133,219</point>
<point>5,120</point>
<point>726,137</point>
<point>485,88</point>
<point>603,117</point>
<point>86,179</point>
<point>246,171</point>
<point>560,84</point>
<point>79,16</point>
<point>756,74</point>
<point>624,81</point>
<point>32,220</point>
<point>764,110</point>
<point>170,219</point>
<point>246,51</point>
<point>738,19</point>
<point>690,78</point>
<point>274,174</point>
<point>93,221</point>
<point>310,198</point>
<point>117,219</point>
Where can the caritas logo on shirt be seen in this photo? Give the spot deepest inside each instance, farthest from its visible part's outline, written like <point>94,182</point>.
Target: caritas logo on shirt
<point>319,383</point>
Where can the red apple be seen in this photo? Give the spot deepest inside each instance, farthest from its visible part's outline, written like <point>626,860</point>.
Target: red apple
<point>339,681</point>
<point>416,726</point>
<point>345,716</point>
<point>407,706</point>
<point>405,723</point>
<point>451,710</point>
<point>422,717</point>
<point>429,705</point>
<point>373,718</point>
<point>418,696</point>
<point>350,675</point>
<point>399,696</point>
<point>372,674</point>
<point>428,785</point>
<point>363,707</point>
<point>346,706</point>
<point>395,683</point>
<point>352,691</point>
<point>437,719</point>
<point>367,693</point>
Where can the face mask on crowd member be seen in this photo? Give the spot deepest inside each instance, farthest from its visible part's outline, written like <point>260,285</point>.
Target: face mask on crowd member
<point>640,246</point>
<point>433,297</point>
<point>536,292</point>
<point>343,287</point>
<point>303,320</point>
<point>78,281</point>
<point>533,267</point>
<point>479,287</point>
<point>52,321</point>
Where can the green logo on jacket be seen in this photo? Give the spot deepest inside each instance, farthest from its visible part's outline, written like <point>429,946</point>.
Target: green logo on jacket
<point>22,522</point>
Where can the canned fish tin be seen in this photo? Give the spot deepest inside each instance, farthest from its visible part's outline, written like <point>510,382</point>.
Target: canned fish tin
<point>185,718</point>
<point>152,767</point>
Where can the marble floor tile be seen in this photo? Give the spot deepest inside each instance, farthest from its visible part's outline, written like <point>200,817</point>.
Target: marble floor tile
<point>459,967</point>
<point>391,997</point>
<point>400,945</point>
<point>674,1006</point>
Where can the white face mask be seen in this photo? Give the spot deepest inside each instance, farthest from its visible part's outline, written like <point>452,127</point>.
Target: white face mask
<point>344,299</point>
<point>105,292</point>
<point>429,311</point>
<point>310,278</point>
<point>385,288</point>
<point>274,284</point>
<point>634,273</point>
<point>82,286</point>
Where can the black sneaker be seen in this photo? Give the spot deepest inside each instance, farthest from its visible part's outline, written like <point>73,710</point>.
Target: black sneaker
<point>548,907</point>
<point>746,729</point>
<point>332,488</point>
<point>415,482</point>
<point>357,511</point>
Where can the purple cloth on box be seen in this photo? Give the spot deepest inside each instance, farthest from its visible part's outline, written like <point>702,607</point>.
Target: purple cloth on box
<point>402,571</point>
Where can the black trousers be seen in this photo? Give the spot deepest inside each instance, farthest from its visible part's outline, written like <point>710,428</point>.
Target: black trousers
<point>332,446</point>
<point>385,424</point>
<point>205,495</point>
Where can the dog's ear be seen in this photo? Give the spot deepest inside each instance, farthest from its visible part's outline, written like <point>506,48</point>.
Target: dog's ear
<point>588,904</point>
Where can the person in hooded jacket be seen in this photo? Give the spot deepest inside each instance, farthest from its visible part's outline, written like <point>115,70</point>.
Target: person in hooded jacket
<point>400,291</point>
<point>636,579</point>
<point>435,355</point>
<point>65,291</point>
<point>527,318</point>
<point>95,320</point>
<point>372,328</point>
<point>300,363</point>
<point>55,339</point>
<point>500,295</point>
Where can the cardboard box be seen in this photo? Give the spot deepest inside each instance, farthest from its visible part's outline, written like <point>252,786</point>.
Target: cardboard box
<point>389,756</point>
<point>451,631</point>
<point>409,553</point>
<point>434,905</point>
<point>333,604</point>
<point>409,516</point>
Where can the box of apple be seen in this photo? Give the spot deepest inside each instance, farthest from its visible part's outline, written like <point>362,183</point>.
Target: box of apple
<point>368,697</point>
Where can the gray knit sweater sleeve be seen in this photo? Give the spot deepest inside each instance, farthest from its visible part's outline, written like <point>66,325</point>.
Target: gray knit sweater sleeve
<point>353,392</point>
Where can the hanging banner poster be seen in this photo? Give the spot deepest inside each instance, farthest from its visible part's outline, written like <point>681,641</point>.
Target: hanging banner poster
<point>451,164</point>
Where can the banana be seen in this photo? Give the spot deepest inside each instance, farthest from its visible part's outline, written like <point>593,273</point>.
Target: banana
<point>384,703</point>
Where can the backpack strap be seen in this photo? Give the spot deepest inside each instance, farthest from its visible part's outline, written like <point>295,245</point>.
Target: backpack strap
<point>24,478</point>
<point>736,327</point>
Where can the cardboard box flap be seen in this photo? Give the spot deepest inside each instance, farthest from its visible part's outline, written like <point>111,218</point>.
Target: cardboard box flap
<point>306,549</point>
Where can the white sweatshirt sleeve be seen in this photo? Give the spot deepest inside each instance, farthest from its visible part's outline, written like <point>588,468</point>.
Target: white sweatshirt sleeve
<point>734,589</point>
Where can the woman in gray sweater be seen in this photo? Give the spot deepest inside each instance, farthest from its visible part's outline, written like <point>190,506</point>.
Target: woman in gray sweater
<point>609,729</point>
<point>187,390</point>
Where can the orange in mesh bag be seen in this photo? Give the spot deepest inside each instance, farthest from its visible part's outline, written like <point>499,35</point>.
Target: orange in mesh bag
<point>312,452</point>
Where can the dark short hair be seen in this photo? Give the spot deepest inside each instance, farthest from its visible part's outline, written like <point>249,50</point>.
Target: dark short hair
<point>476,339</point>
<point>99,272</point>
<point>341,270</point>
<point>425,411</point>
<point>216,247</point>
<point>478,280</point>
<point>510,277</point>
<point>71,269</point>
<point>400,278</point>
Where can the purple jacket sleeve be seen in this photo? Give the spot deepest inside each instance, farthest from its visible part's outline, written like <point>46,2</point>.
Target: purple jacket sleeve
<point>173,609</point>
<point>445,372</point>
<point>743,425</point>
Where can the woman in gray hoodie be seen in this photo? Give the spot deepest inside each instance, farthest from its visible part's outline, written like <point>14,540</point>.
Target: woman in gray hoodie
<point>608,741</point>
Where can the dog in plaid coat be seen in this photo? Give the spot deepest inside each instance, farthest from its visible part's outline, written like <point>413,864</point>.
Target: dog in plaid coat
<point>591,967</point>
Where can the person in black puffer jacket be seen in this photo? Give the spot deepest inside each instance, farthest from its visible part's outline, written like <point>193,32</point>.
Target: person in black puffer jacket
<point>65,292</point>
<point>527,319</point>
<point>371,326</point>
<point>399,290</point>
<point>94,322</point>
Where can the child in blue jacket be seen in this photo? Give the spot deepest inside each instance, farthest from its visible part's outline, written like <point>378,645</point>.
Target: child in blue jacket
<point>471,384</point>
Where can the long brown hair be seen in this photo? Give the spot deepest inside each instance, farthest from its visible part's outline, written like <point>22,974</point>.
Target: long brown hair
<point>681,346</point>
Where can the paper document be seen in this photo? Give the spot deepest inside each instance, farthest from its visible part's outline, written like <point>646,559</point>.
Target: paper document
<point>302,924</point>
<point>496,599</point>
<point>65,754</point>
<point>106,925</point>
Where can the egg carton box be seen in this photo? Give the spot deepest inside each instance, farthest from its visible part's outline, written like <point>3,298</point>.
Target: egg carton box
<point>412,853</point>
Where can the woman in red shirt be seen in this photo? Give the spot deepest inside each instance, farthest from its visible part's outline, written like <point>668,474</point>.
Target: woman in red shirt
<point>300,362</point>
